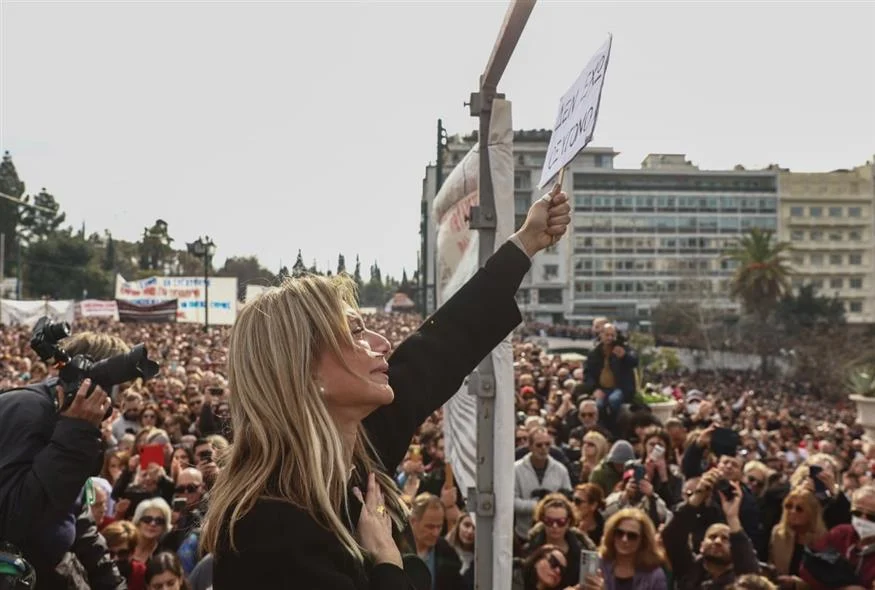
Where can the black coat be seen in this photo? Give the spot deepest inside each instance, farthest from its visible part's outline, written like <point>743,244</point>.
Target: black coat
<point>280,546</point>
<point>623,369</point>
<point>45,460</point>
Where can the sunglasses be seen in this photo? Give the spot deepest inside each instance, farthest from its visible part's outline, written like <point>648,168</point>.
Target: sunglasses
<point>861,514</point>
<point>754,481</point>
<point>156,520</point>
<point>588,414</point>
<point>795,507</point>
<point>631,536</point>
<point>555,563</point>
<point>188,489</point>
<point>555,522</point>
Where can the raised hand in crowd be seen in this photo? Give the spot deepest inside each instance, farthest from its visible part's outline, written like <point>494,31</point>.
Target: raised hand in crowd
<point>546,222</point>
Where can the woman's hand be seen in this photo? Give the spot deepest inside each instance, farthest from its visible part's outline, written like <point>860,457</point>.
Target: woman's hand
<point>595,582</point>
<point>546,222</point>
<point>375,526</point>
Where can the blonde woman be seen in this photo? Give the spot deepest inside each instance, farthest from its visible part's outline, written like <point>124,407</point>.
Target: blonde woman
<point>820,475</point>
<point>321,414</point>
<point>631,556</point>
<point>594,448</point>
<point>801,525</point>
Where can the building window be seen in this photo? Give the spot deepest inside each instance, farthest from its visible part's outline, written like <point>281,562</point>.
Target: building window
<point>798,260</point>
<point>835,259</point>
<point>855,259</point>
<point>548,296</point>
<point>835,211</point>
<point>836,283</point>
<point>797,235</point>
<point>522,297</point>
<point>796,212</point>
<point>551,272</point>
<point>522,180</point>
<point>856,283</point>
<point>817,236</point>
<point>855,212</point>
<point>815,211</point>
<point>835,236</point>
<point>855,235</point>
<point>817,284</point>
<point>856,307</point>
<point>817,260</point>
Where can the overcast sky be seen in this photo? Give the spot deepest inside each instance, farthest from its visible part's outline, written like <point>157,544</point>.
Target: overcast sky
<point>274,126</point>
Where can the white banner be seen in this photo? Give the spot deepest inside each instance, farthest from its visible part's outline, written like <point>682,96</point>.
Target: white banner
<point>189,291</point>
<point>253,291</point>
<point>578,111</point>
<point>27,313</point>
<point>95,308</point>
<point>457,261</point>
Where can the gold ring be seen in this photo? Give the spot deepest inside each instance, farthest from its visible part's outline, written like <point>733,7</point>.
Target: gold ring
<point>381,510</point>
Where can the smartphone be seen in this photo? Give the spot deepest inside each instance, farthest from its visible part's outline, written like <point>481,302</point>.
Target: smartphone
<point>152,454</point>
<point>589,565</point>
<point>179,504</point>
<point>657,453</point>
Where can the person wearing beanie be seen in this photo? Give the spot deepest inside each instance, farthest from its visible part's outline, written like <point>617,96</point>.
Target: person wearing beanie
<point>609,472</point>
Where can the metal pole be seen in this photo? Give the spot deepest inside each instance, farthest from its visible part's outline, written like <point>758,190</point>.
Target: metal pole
<point>2,269</point>
<point>18,287</point>
<point>207,289</point>
<point>483,219</point>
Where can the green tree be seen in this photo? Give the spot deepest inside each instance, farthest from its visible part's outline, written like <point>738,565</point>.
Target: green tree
<point>11,186</point>
<point>247,270</point>
<point>65,266</point>
<point>341,265</point>
<point>807,310</point>
<point>155,247</point>
<point>38,224</point>
<point>357,274</point>
<point>761,279</point>
<point>299,268</point>
<point>110,261</point>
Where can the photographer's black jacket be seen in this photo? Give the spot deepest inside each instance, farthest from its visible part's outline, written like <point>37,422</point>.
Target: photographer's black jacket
<point>45,460</point>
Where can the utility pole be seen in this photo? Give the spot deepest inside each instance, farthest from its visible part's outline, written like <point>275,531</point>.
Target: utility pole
<point>424,225</point>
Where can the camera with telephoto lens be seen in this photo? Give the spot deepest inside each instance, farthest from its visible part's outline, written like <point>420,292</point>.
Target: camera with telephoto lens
<point>73,370</point>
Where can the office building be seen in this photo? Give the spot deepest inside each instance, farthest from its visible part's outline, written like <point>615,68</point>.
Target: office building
<point>828,219</point>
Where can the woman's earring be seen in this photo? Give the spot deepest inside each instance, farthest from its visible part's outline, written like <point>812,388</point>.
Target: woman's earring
<point>321,390</point>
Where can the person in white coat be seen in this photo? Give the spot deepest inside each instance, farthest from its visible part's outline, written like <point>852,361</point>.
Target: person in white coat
<point>536,475</point>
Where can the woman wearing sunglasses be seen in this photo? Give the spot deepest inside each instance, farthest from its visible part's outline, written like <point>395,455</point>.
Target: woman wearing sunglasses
<point>152,518</point>
<point>631,556</point>
<point>555,526</point>
<point>542,570</point>
<point>801,525</point>
<point>589,501</point>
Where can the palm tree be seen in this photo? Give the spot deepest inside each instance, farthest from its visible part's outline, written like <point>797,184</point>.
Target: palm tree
<point>761,278</point>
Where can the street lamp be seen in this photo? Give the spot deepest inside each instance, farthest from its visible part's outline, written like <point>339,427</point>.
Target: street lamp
<point>204,248</point>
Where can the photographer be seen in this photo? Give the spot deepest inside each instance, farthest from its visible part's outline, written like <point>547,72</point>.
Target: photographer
<point>49,447</point>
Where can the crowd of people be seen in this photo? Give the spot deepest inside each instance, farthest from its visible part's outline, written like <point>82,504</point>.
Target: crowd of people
<point>752,483</point>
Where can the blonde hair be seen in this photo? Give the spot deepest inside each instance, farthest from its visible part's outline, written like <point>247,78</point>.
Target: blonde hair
<point>802,472</point>
<point>286,445</point>
<point>649,555</point>
<point>600,442</point>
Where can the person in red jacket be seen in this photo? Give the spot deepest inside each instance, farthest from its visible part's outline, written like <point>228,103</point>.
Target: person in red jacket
<point>855,542</point>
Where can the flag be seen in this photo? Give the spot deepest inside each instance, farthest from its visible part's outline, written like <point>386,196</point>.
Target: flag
<point>457,261</point>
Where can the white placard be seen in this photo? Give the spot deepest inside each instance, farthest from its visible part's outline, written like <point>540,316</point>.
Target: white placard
<point>189,292</point>
<point>578,111</point>
<point>94,308</point>
<point>27,312</point>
